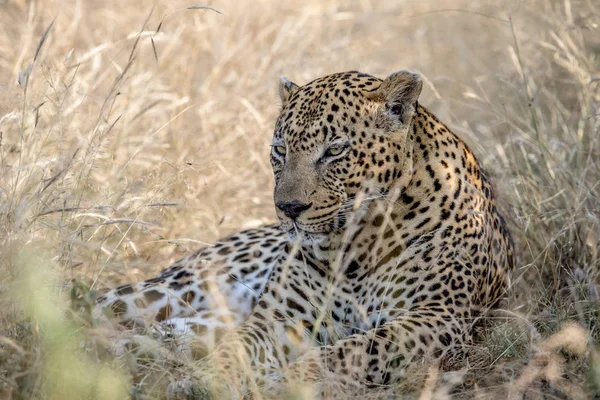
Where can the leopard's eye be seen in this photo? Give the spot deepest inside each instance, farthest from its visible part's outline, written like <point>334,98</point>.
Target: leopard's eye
<point>280,150</point>
<point>334,151</point>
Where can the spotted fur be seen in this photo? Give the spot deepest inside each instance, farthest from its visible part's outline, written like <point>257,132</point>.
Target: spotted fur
<point>389,244</point>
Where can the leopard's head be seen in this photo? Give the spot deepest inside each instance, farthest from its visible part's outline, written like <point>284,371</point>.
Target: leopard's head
<point>339,140</point>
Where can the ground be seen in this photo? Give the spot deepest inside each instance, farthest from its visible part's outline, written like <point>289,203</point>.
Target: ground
<point>121,152</point>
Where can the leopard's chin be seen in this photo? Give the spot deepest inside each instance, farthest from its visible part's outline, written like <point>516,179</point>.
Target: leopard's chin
<point>297,234</point>
<point>313,238</point>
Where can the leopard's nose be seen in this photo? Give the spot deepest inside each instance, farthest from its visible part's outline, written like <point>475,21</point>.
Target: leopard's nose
<point>293,209</point>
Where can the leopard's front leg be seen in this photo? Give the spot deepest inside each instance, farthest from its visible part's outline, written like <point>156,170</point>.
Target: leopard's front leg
<point>380,357</point>
<point>258,353</point>
<point>280,329</point>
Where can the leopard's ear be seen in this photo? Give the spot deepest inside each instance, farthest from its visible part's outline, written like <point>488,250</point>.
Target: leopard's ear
<point>399,92</point>
<point>286,88</point>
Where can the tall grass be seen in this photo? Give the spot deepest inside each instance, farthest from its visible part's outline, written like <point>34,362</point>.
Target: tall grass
<point>132,134</point>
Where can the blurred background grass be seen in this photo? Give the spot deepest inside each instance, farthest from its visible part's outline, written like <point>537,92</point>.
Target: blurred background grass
<point>133,132</point>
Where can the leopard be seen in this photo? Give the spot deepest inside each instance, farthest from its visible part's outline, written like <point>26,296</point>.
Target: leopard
<point>390,244</point>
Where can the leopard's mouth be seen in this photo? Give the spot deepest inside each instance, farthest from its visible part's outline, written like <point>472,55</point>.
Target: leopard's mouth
<point>334,222</point>
<point>313,228</point>
<point>315,232</point>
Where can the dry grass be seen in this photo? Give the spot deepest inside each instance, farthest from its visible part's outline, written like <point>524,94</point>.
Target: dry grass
<point>123,148</point>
